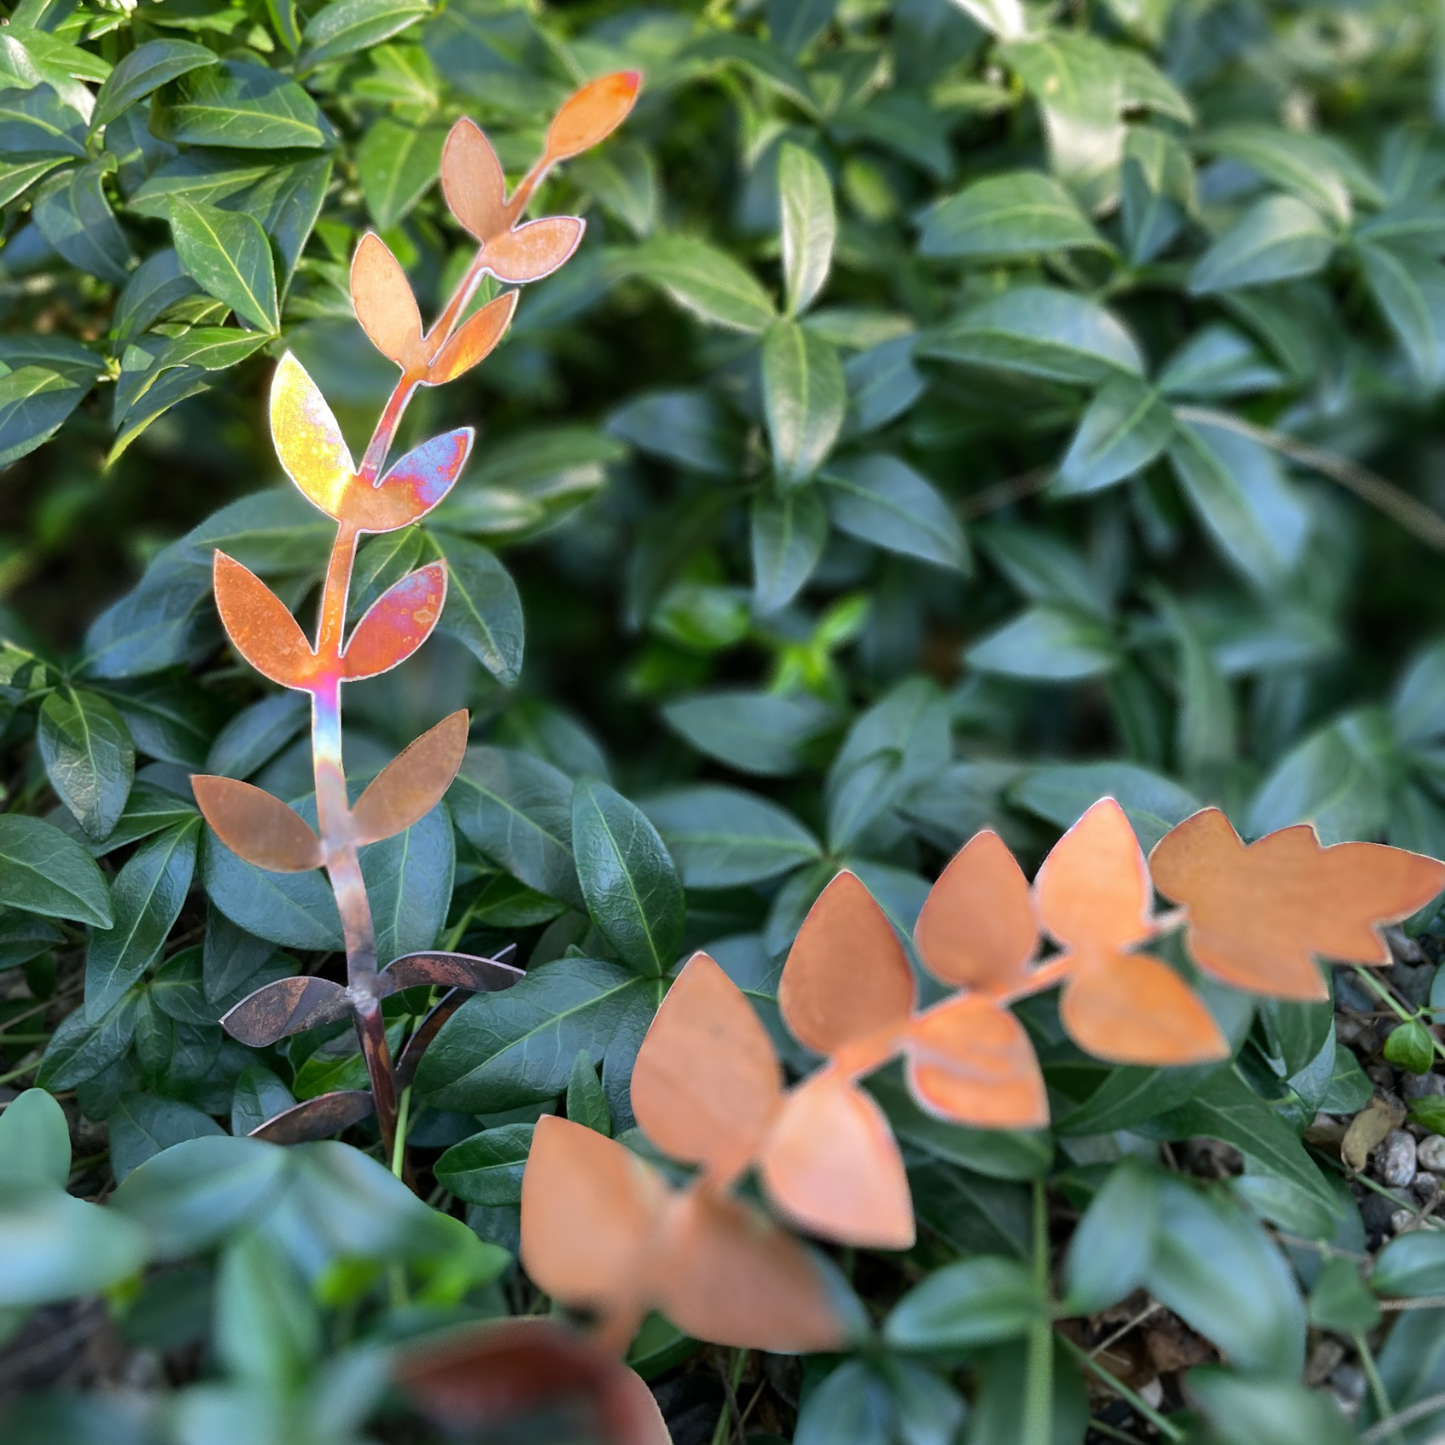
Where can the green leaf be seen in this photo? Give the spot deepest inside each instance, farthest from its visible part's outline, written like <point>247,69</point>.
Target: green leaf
<point>1227,1108</point>
<point>1277,238</point>
<point>1111,1251</point>
<point>397,162</point>
<point>145,69</point>
<point>883,383</point>
<point>34,1141</point>
<point>1239,493</point>
<point>1047,644</point>
<point>1216,362</point>
<point>343,27</point>
<point>723,837</point>
<point>686,427</point>
<point>627,878</point>
<point>1004,18</point>
<point>44,871</point>
<point>241,106</point>
<point>72,213</point>
<point>1315,168</point>
<point>57,1247</point>
<point>1040,331</point>
<point>1410,290</point>
<point>148,894</point>
<point>260,1095</point>
<point>974,1302</point>
<point>1126,426</point>
<point>143,1126</point>
<point>1341,1300</point>
<point>706,281</point>
<point>88,756</point>
<point>586,1101</point>
<point>1410,1047</point>
<point>1158,191</point>
<point>267,1325</point>
<point>793,25</point>
<point>1021,213</point>
<point>517,1047</point>
<point>804,399</point>
<point>1411,1266</point>
<point>516,809</point>
<point>38,122</point>
<point>487,1168</point>
<point>16,177</point>
<point>482,610</point>
<point>809,225</point>
<point>788,535</point>
<point>229,257</point>
<point>880,500</point>
<point>755,732</point>
<point>78,1050</point>
<point>1222,1274</point>
<point>34,402</point>
<point>1063,793</point>
<point>1245,1411</point>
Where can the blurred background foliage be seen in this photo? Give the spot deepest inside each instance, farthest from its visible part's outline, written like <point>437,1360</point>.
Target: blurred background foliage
<point>956,411</point>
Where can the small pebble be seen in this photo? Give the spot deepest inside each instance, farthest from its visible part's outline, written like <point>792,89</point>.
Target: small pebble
<point>1153,1393</point>
<point>1401,1220</point>
<point>1402,947</point>
<point>1349,1382</point>
<point>1347,1029</point>
<point>1411,982</point>
<point>1395,1163</point>
<point>1426,1185</point>
<point>1430,1153</point>
<point>1383,1075</point>
<point>1376,1210</point>
<point>1423,1086</point>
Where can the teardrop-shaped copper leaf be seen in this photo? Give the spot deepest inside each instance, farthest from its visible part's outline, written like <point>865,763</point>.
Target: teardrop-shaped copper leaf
<point>318,1118</point>
<point>285,1006</point>
<point>260,627</point>
<point>472,180</point>
<point>259,827</point>
<point>413,782</point>
<point>307,438</point>
<point>413,486</point>
<point>455,970</point>
<point>384,304</point>
<point>592,114</point>
<point>534,249</point>
<point>397,623</point>
<point>473,340</point>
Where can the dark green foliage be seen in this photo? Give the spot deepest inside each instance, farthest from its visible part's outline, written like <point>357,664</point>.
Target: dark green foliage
<point>954,413</point>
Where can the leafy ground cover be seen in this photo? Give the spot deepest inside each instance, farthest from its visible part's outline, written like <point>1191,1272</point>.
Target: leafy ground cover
<point>955,412</point>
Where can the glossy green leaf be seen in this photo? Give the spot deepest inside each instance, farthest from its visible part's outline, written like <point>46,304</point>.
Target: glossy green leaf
<point>229,257</point>
<point>148,894</point>
<point>628,879</point>
<point>973,1302</point>
<point>788,535</point>
<point>809,225</point>
<point>34,1141</point>
<point>397,161</point>
<point>342,27</point>
<point>143,1126</point>
<point>44,871</point>
<point>1313,167</point>
<point>57,1247</point>
<point>1126,426</point>
<point>243,106</point>
<point>88,756</point>
<point>1111,1251</point>
<point>1244,1411</point>
<point>586,1100</point>
<point>1047,644</point>
<point>705,281</point>
<point>1277,238</point>
<point>763,733</point>
<point>72,213</point>
<point>145,69</point>
<point>723,837</point>
<point>881,500</point>
<point>804,399</point>
<point>487,1168</point>
<point>483,610</point>
<point>38,122</point>
<point>1020,214</point>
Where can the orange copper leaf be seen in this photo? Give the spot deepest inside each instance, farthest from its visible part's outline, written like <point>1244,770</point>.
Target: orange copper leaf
<point>602,1230</point>
<point>727,1274</point>
<point>847,978</point>
<point>832,1165</point>
<point>307,438</point>
<point>473,340</point>
<point>472,181</point>
<point>592,113</point>
<point>257,826</point>
<point>1093,891</point>
<point>591,1213</point>
<point>970,1061</point>
<point>285,1006</point>
<point>1134,1009</point>
<point>260,627</point>
<point>412,783</point>
<point>413,486</point>
<point>535,249</point>
<point>977,927</point>
<point>1259,915</point>
<point>495,1374</point>
<point>384,304</point>
<point>706,1083</point>
<point>397,623</point>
